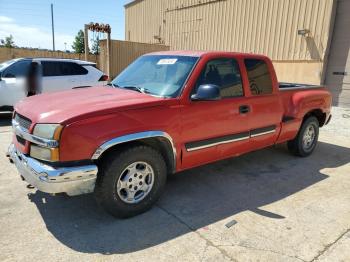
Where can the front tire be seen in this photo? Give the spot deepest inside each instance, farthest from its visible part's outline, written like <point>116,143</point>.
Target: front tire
<point>131,181</point>
<point>305,141</point>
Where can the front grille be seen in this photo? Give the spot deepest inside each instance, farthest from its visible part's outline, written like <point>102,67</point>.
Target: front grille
<point>23,121</point>
<point>21,140</point>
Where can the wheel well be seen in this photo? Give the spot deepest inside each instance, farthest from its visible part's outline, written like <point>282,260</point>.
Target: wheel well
<point>158,143</point>
<point>321,117</point>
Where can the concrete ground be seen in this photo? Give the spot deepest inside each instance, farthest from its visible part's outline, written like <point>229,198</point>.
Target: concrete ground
<point>264,206</point>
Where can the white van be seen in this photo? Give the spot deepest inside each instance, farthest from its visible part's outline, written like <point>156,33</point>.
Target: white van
<point>54,74</point>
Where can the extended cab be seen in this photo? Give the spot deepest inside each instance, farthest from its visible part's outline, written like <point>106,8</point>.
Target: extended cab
<point>166,112</point>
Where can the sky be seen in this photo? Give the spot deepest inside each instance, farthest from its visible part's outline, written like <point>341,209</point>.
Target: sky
<point>29,21</point>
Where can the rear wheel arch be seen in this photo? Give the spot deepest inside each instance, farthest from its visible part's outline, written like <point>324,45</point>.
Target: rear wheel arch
<point>319,114</point>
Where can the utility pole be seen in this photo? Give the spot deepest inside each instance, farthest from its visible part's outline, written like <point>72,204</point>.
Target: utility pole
<point>86,41</point>
<point>53,30</point>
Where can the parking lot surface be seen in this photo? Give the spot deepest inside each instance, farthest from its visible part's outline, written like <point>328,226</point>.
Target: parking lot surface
<point>264,206</point>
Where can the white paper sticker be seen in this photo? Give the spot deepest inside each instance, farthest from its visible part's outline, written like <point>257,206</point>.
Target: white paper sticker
<point>167,61</point>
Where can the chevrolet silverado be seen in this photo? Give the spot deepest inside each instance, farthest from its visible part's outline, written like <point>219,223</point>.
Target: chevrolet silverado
<point>166,112</point>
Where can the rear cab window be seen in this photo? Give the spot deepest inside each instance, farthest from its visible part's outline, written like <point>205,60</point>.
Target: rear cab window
<point>260,82</point>
<point>57,68</point>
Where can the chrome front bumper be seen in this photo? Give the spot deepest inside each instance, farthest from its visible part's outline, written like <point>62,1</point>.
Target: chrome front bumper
<point>71,180</point>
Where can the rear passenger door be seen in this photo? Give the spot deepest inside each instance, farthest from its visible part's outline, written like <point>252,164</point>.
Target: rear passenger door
<point>264,103</point>
<point>62,75</point>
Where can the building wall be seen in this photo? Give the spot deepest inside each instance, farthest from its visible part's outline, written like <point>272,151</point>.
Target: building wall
<point>259,26</point>
<point>123,53</point>
<point>338,65</point>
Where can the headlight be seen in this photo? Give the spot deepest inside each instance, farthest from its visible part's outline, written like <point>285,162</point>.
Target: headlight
<point>43,153</point>
<point>48,131</point>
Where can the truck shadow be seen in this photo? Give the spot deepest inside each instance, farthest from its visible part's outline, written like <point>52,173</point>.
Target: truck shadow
<point>192,200</point>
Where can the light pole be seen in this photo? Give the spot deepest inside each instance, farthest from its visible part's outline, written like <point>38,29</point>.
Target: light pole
<point>53,30</point>
<point>65,47</point>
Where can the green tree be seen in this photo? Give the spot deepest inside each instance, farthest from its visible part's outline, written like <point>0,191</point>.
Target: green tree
<point>95,49</point>
<point>8,42</point>
<point>78,44</point>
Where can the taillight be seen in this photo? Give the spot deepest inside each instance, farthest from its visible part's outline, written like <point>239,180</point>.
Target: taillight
<point>103,78</point>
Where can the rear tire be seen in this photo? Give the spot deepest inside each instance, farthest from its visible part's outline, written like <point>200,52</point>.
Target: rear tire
<point>305,142</point>
<point>130,181</point>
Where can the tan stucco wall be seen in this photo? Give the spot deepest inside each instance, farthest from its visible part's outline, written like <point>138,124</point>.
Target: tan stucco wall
<point>307,72</point>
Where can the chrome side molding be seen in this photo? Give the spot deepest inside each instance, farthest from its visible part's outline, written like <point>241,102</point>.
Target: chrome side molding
<point>197,145</point>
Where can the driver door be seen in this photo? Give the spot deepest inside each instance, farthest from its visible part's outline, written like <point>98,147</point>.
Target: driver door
<point>13,83</point>
<point>214,130</point>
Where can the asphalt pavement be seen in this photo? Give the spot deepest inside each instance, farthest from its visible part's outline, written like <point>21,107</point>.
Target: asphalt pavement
<point>264,206</point>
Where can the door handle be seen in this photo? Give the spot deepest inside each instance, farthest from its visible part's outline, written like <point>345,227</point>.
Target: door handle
<point>244,109</point>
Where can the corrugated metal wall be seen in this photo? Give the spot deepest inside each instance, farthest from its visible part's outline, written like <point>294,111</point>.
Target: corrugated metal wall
<point>259,26</point>
<point>123,53</point>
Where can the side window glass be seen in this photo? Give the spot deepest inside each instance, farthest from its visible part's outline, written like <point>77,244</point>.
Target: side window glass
<point>69,68</point>
<point>78,69</point>
<point>224,73</point>
<point>18,69</point>
<point>260,82</point>
<point>51,68</point>
<point>56,68</point>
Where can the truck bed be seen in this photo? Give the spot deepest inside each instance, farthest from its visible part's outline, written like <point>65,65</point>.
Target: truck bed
<point>283,86</point>
<point>303,96</point>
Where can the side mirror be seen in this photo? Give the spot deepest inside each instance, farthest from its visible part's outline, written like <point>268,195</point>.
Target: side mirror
<point>207,92</point>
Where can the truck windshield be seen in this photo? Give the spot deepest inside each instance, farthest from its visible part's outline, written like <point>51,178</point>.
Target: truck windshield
<point>159,75</point>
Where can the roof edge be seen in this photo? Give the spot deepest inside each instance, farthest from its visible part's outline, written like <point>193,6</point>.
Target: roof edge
<point>132,3</point>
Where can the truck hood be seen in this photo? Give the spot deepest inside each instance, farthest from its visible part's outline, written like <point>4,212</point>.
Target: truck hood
<point>76,104</point>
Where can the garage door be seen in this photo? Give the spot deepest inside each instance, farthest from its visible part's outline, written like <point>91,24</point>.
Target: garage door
<point>338,68</point>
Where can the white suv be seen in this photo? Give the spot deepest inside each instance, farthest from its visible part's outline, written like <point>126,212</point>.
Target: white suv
<point>54,74</point>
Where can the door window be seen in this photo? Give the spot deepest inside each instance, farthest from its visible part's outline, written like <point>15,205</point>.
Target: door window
<point>223,72</point>
<point>18,69</point>
<point>260,82</point>
<point>55,68</point>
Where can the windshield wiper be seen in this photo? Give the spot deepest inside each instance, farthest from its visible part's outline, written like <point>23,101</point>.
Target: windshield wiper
<point>111,84</point>
<point>137,88</point>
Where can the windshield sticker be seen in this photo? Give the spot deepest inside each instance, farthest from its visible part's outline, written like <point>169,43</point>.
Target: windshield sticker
<point>167,61</point>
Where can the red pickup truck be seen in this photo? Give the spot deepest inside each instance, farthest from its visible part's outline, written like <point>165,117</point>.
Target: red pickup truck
<point>166,112</point>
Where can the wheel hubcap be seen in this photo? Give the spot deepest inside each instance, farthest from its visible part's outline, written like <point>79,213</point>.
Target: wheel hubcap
<point>309,137</point>
<point>135,183</point>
